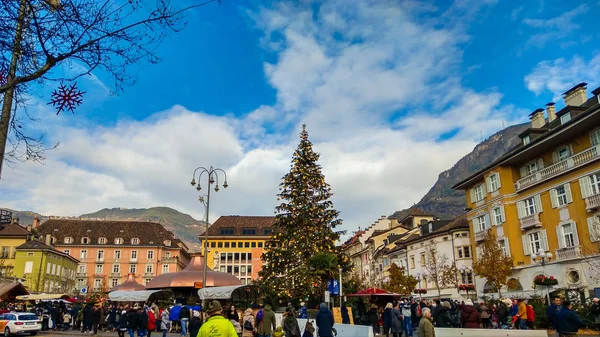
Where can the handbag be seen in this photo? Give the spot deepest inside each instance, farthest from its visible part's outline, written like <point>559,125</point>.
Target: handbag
<point>248,325</point>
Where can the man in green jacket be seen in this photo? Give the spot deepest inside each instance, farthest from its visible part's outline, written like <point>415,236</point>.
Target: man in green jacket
<point>425,325</point>
<point>216,325</point>
<point>267,324</point>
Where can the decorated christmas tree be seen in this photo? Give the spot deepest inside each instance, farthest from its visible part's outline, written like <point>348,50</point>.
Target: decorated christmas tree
<point>301,254</point>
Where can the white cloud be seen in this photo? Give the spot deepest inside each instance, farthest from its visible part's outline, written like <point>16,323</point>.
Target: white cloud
<point>376,85</point>
<point>556,76</point>
<point>557,29</point>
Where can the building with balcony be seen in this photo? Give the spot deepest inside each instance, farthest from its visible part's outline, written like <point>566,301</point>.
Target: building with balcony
<point>12,235</point>
<point>108,251</point>
<point>544,197</point>
<point>236,245</point>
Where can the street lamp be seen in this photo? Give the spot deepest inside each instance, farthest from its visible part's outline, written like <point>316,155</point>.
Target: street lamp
<point>465,271</point>
<point>541,257</point>
<point>421,276</point>
<point>212,176</point>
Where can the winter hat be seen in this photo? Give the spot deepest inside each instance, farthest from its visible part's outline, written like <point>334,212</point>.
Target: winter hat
<point>447,304</point>
<point>123,312</point>
<point>196,313</point>
<point>214,307</point>
<point>469,302</point>
<point>302,304</point>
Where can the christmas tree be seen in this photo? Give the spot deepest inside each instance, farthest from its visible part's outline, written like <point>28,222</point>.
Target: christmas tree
<point>301,253</point>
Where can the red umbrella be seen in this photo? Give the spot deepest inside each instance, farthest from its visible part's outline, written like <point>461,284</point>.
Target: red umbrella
<point>372,292</point>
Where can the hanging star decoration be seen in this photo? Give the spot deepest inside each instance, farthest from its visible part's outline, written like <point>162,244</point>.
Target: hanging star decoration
<point>66,98</point>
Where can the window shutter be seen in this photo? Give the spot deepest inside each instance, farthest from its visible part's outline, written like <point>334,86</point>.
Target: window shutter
<point>503,215</point>
<point>553,198</point>
<point>486,217</point>
<point>568,192</point>
<point>526,246</point>
<point>484,189</point>
<point>498,179</point>
<point>593,229</point>
<point>586,187</point>
<point>493,218</point>
<point>540,163</point>
<point>555,157</point>
<point>575,235</point>
<point>570,147</point>
<point>472,192</point>
<point>560,237</point>
<point>507,245</point>
<point>521,209</point>
<point>488,183</point>
<point>523,171</point>
<point>538,204</point>
<point>544,240</point>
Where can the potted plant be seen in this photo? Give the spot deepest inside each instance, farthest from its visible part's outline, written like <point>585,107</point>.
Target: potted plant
<point>543,280</point>
<point>470,287</point>
<point>420,291</point>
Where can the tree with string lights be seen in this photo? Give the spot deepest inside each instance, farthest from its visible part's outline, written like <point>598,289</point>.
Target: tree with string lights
<point>301,254</point>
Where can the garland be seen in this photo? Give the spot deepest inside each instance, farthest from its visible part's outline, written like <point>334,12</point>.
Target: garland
<point>420,291</point>
<point>542,280</point>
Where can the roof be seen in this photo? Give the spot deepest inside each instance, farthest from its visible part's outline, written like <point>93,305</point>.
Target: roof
<point>38,245</point>
<point>237,222</point>
<point>451,225</point>
<point>148,233</point>
<point>562,133</point>
<point>354,238</point>
<point>13,289</point>
<point>13,229</point>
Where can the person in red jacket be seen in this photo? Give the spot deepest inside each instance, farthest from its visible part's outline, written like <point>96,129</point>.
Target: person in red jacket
<point>151,322</point>
<point>530,316</point>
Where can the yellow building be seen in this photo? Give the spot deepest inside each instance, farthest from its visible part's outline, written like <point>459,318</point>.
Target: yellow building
<point>236,245</point>
<point>12,235</point>
<point>543,198</point>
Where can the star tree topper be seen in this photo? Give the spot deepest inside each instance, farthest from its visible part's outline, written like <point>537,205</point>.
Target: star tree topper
<point>66,98</point>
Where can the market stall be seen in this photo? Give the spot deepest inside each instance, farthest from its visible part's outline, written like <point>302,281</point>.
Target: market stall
<point>240,292</point>
<point>140,295</point>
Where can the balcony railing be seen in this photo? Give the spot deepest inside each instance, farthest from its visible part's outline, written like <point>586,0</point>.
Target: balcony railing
<point>574,161</point>
<point>592,202</point>
<point>148,274</point>
<point>99,260</point>
<point>568,253</point>
<point>5,216</point>
<point>169,260</point>
<point>480,236</point>
<point>81,274</point>
<point>530,221</point>
<point>115,274</point>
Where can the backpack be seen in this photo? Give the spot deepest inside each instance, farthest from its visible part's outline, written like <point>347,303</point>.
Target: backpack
<point>248,325</point>
<point>309,327</point>
<point>259,315</point>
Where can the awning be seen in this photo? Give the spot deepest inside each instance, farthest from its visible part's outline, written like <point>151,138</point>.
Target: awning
<point>11,290</point>
<point>40,297</point>
<point>139,295</point>
<point>221,293</point>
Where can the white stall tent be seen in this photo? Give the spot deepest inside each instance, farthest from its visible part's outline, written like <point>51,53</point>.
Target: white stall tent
<point>219,293</point>
<point>138,296</point>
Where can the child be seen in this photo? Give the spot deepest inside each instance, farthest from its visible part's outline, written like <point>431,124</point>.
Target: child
<point>66,321</point>
<point>278,332</point>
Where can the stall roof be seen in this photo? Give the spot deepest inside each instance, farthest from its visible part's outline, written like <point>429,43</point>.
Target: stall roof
<point>138,296</point>
<point>42,297</point>
<point>218,293</point>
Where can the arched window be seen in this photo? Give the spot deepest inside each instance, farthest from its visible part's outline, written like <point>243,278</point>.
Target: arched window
<point>514,285</point>
<point>118,241</point>
<point>489,287</point>
<point>69,239</point>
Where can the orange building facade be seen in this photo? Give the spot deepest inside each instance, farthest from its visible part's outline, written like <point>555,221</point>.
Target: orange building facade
<point>109,251</point>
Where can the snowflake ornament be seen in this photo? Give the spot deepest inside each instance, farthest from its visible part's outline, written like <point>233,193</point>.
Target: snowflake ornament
<point>66,98</point>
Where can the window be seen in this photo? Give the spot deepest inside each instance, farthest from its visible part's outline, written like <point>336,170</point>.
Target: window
<point>116,268</point>
<point>67,251</point>
<point>534,241</point>
<point>526,140</point>
<point>227,231</point>
<point>100,255</point>
<point>85,240</point>
<point>80,283</point>
<point>260,245</point>
<point>463,252</point>
<point>267,231</point>
<point>594,228</point>
<point>567,235</point>
<point>561,196</point>
<point>150,255</point>
<point>498,216</point>
<point>233,244</point>
<point>5,252</point>
<point>102,240</point>
<point>562,153</point>
<point>467,278</point>
<point>253,245</point>
<point>81,269</point>
<point>220,244</point>
<point>590,185</point>
<point>117,254</point>
<point>149,269</point>
<point>83,254</point>
<point>114,282</point>
<point>213,245</point>
<point>133,268</point>
<point>478,193</point>
<point>69,239</point>
<point>565,118</point>
<point>118,241</point>
<point>226,244</point>
<point>385,262</point>
<point>504,245</point>
<point>595,137</point>
<point>134,254</point>
<point>422,259</point>
<point>529,206</point>
<point>246,244</point>
<point>97,283</point>
<point>248,231</point>
<point>493,182</point>
<point>168,255</point>
<point>167,243</point>
<point>147,281</point>
<point>481,223</point>
<point>165,268</point>
<point>135,241</point>
<point>28,267</point>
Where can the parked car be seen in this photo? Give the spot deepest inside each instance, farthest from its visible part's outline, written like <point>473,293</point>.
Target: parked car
<point>17,323</point>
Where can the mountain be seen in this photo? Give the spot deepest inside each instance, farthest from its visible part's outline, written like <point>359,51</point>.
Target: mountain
<point>184,226</point>
<point>446,203</point>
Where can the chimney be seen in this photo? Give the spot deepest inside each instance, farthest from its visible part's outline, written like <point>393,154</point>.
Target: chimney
<point>551,110</point>
<point>48,239</point>
<point>577,95</point>
<point>537,119</point>
<point>36,222</point>
<point>596,92</point>
<point>14,221</point>
<point>28,228</point>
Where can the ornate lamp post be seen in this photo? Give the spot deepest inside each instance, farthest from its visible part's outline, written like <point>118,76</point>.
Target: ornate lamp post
<point>212,176</point>
<point>465,271</point>
<point>541,257</point>
<point>421,276</point>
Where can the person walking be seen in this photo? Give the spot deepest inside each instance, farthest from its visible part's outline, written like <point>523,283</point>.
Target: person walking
<point>345,314</point>
<point>96,318</point>
<point>122,324</point>
<point>217,325</point>
<point>266,325</point>
<point>568,322</point>
<point>184,318</point>
<point>469,317</point>
<point>195,323</point>
<point>387,319</point>
<point>132,322</point>
<point>373,318</point>
<point>290,324</point>
<point>324,321</point>
<point>521,314</point>
<point>425,326</point>
<point>142,326</point>
<point>484,313</point>
<point>248,323</point>
<point>443,319</point>
<point>396,321</point>
<point>303,311</point>
<point>151,321</point>
<point>406,320</point>
<point>530,316</point>
<point>165,324</point>
<point>552,311</point>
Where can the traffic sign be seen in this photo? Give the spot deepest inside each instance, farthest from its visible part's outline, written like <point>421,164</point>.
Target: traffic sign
<point>83,290</point>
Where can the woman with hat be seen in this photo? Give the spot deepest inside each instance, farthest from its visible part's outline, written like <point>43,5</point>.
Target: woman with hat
<point>216,323</point>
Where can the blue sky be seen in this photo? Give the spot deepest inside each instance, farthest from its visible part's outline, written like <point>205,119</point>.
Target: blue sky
<point>393,92</point>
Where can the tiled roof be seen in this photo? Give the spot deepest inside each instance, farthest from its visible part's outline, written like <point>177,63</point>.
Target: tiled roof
<point>457,223</point>
<point>13,229</point>
<point>148,233</point>
<point>415,211</point>
<point>238,222</point>
<point>38,245</point>
<point>354,238</point>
